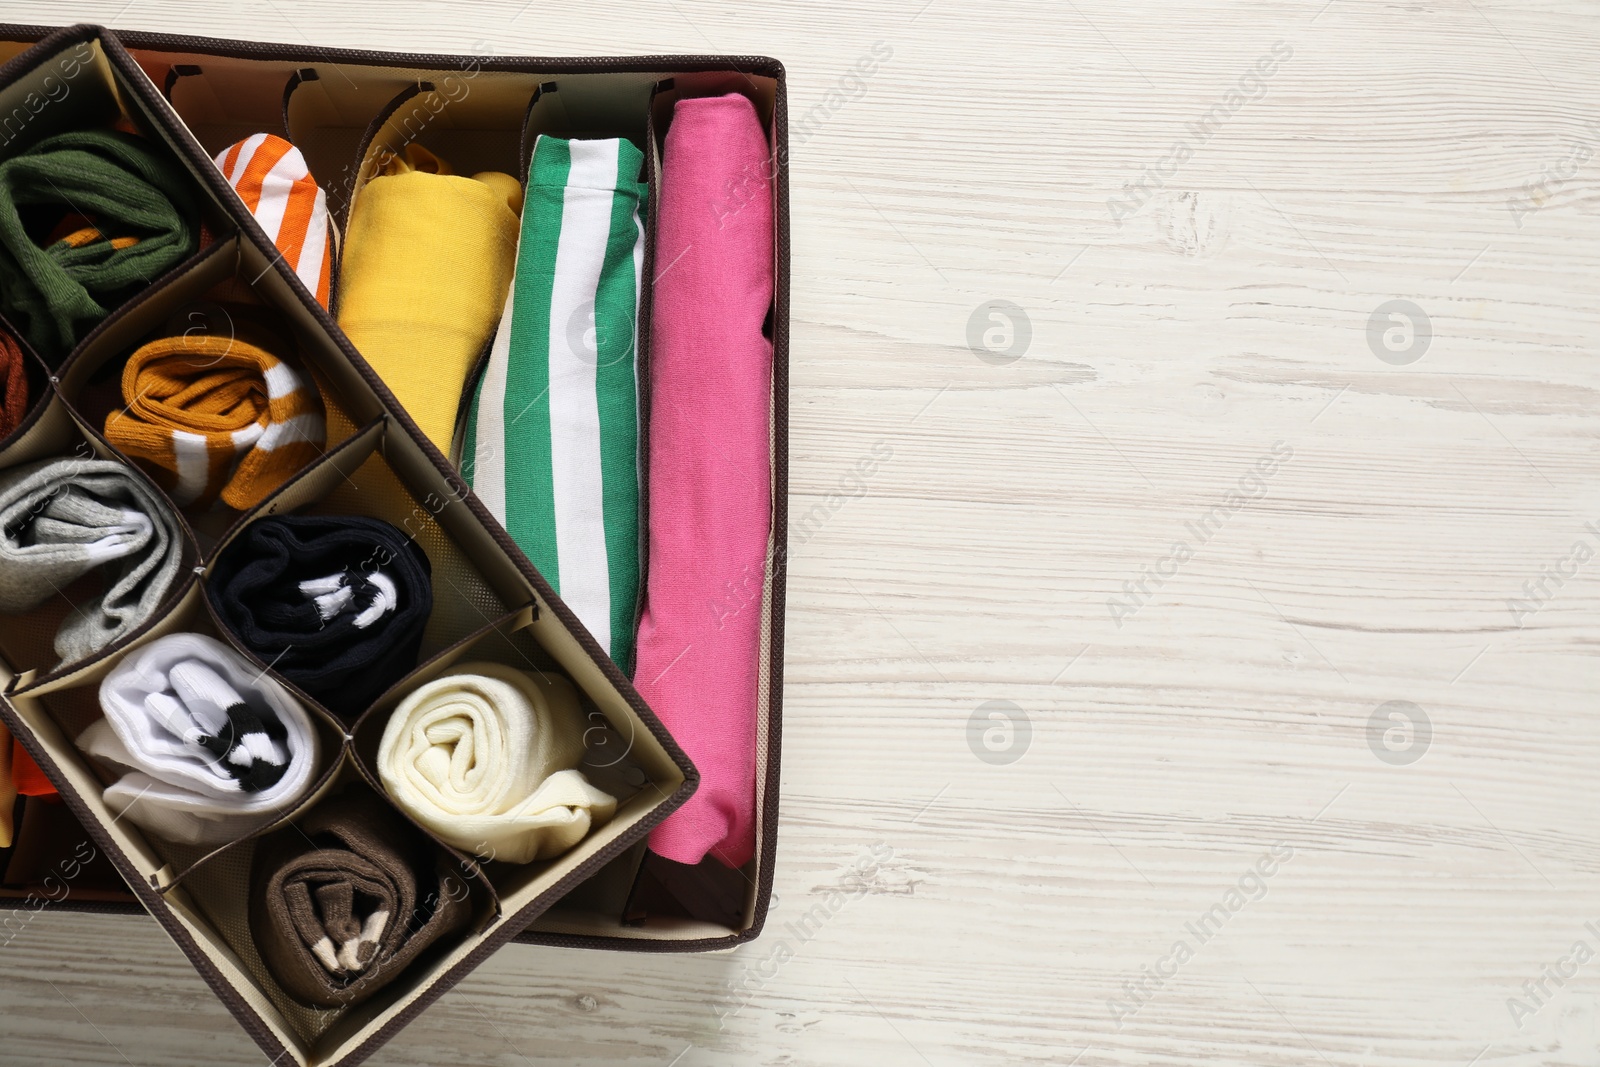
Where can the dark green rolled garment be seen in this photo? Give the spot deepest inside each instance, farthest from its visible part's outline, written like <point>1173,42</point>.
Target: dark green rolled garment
<point>141,214</point>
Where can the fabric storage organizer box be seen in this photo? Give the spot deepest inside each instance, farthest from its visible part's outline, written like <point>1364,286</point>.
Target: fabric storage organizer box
<point>346,111</point>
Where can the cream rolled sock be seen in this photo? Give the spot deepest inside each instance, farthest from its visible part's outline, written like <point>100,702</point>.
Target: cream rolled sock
<point>486,757</point>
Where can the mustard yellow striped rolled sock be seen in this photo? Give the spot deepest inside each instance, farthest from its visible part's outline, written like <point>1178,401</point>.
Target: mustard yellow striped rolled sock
<point>214,416</point>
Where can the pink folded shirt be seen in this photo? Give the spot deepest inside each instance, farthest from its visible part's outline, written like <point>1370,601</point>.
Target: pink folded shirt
<point>710,474</point>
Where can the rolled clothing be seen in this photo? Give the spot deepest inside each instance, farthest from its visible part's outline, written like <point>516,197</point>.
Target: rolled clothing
<point>551,442</point>
<point>212,416</point>
<point>14,392</point>
<point>341,901</point>
<point>133,214</point>
<point>335,604</point>
<point>61,519</point>
<point>710,502</point>
<point>486,757</point>
<point>426,261</point>
<point>211,747</point>
<point>271,177</point>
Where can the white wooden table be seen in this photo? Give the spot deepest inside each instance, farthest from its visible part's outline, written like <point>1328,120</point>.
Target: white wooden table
<point>1198,272</point>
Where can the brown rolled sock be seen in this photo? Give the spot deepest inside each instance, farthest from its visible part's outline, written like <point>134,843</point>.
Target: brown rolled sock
<point>344,899</point>
<point>13,384</point>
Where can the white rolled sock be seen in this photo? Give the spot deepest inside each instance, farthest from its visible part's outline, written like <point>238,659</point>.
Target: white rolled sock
<point>191,723</point>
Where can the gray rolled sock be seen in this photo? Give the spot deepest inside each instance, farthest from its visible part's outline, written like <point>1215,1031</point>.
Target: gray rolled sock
<point>61,519</point>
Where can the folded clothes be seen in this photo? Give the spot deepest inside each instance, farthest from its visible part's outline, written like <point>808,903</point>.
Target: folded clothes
<point>710,468</point>
<point>26,775</point>
<point>486,757</point>
<point>344,899</point>
<point>336,604</point>
<point>61,519</point>
<point>427,258</point>
<point>212,748</point>
<point>13,384</point>
<point>271,177</point>
<point>19,776</point>
<point>134,214</point>
<point>551,444</point>
<point>211,415</point>
<point>8,788</point>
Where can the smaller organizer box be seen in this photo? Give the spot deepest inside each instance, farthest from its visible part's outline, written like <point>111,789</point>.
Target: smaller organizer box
<point>188,99</point>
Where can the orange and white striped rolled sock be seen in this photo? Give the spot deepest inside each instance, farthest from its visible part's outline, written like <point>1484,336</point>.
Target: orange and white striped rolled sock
<point>271,177</point>
<point>212,416</point>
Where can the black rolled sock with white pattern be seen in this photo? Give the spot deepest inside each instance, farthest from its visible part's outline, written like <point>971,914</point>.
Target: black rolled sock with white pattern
<point>335,604</point>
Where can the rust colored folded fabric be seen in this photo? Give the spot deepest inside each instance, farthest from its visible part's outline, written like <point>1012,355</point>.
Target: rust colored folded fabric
<point>19,776</point>
<point>8,790</point>
<point>342,901</point>
<point>213,416</point>
<point>13,384</point>
<point>26,775</point>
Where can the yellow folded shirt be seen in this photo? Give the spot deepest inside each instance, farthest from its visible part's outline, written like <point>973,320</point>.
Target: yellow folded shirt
<point>428,257</point>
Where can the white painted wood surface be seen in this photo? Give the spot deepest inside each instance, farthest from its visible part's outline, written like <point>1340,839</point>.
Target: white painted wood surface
<point>1228,713</point>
